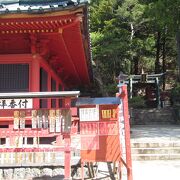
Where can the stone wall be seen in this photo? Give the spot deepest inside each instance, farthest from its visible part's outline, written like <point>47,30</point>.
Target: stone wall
<point>40,173</point>
<point>152,116</point>
<point>24,173</point>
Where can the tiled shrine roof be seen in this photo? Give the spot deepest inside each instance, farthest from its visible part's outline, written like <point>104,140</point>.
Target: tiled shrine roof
<point>37,6</point>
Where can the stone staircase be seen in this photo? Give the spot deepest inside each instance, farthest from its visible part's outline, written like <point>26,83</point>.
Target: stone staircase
<point>156,142</point>
<point>146,151</point>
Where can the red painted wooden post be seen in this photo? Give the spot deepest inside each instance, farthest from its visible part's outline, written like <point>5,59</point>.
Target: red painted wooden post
<point>67,152</point>
<point>35,80</point>
<point>120,164</point>
<point>67,102</point>
<point>49,89</point>
<point>67,158</point>
<point>82,170</point>
<point>59,140</point>
<point>127,131</point>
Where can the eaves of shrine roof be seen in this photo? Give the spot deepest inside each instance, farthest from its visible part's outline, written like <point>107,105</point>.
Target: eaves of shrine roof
<point>65,26</point>
<point>38,6</point>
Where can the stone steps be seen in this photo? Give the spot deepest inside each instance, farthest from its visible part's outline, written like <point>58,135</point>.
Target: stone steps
<point>145,151</point>
<point>156,144</point>
<point>165,150</point>
<point>148,157</point>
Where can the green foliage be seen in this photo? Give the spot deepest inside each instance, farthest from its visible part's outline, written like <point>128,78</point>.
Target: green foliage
<point>111,89</point>
<point>124,36</point>
<point>101,11</point>
<point>165,13</point>
<point>175,93</point>
<point>137,102</point>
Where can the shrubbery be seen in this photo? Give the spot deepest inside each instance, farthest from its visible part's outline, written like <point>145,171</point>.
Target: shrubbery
<point>137,102</point>
<point>175,94</point>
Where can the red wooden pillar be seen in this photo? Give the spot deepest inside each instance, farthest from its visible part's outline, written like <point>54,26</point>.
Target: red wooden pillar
<point>35,79</point>
<point>57,89</point>
<point>127,130</point>
<point>49,89</point>
<point>59,140</point>
<point>67,157</point>
<point>67,153</point>
<point>120,164</point>
<point>82,170</point>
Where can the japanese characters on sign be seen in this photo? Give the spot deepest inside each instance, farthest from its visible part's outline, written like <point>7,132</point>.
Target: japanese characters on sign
<point>91,132</point>
<point>24,133</point>
<point>45,119</point>
<point>22,120</point>
<point>106,125</point>
<point>89,128</point>
<point>40,119</point>
<point>52,120</point>
<point>108,128</point>
<point>34,119</point>
<point>16,119</point>
<point>104,112</point>
<point>89,114</point>
<point>58,121</point>
<point>108,112</point>
<point>100,128</point>
<point>16,103</point>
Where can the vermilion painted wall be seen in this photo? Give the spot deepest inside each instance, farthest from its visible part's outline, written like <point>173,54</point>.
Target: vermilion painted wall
<point>35,62</point>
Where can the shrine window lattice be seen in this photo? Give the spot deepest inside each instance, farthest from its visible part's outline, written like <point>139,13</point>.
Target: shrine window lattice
<point>14,78</point>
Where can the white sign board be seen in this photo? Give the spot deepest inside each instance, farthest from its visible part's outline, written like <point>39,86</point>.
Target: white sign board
<point>16,103</point>
<point>89,114</point>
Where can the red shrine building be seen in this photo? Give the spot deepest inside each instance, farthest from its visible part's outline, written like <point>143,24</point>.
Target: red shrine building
<point>44,58</point>
<point>44,47</point>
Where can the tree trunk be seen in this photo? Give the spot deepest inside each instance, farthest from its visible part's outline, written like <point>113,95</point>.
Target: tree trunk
<point>136,64</point>
<point>131,39</point>
<point>158,48</point>
<point>132,32</point>
<point>99,81</point>
<point>164,59</point>
<point>178,52</point>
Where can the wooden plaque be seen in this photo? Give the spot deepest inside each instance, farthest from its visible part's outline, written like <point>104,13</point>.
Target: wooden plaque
<point>34,119</point>
<point>52,119</point>
<point>22,119</point>
<point>16,119</point>
<point>58,121</point>
<point>45,119</point>
<point>40,119</point>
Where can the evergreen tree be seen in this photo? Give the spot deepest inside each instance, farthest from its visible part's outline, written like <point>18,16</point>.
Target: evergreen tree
<point>131,35</point>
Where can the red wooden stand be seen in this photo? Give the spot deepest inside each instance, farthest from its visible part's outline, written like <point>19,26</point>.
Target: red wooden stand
<point>103,139</point>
